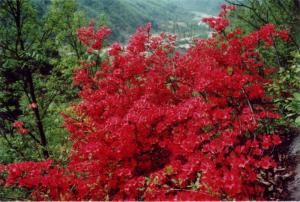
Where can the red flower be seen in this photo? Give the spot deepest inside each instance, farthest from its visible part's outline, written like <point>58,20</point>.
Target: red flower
<point>23,131</point>
<point>92,38</point>
<point>218,24</point>
<point>284,35</point>
<point>266,162</point>
<point>276,139</point>
<point>32,106</point>
<point>2,168</point>
<point>18,124</point>
<point>266,142</point>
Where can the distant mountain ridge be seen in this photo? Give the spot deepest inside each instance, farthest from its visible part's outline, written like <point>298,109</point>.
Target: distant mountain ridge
<point>124,16</point>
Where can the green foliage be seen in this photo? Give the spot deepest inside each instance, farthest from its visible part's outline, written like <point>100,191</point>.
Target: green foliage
<point>8,194</point>
<point>65,19</point>
<point>250,15</point>
<point>286,87</point>
<point>38,52</point>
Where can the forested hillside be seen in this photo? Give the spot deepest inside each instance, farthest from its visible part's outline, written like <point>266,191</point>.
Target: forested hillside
<point>124,15</point>
<point>180,17</point>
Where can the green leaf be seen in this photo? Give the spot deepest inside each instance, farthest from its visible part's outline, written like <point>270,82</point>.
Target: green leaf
<point>297,96</point>
<point>297,121</point>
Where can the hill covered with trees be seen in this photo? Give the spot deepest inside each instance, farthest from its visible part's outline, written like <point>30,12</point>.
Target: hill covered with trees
<point>180,17</point>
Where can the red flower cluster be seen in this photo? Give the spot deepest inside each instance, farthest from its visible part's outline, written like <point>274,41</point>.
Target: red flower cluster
<point>93,39</point>
<point>219,23</point>
<point>2,170</point>
<point>267,34</point>
<point>157,125</point>
<point>19,125</point>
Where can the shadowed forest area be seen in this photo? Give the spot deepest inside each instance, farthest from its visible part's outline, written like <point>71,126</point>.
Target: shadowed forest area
<point>149,100</point>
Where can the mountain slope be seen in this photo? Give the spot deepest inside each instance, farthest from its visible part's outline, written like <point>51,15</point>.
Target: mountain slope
<point>124,16</point>
<point>211,7</point>
<point>179,17</point>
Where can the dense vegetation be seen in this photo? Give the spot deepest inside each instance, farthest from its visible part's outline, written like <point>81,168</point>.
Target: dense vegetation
<point>285,14</point>
<point>147,116</point>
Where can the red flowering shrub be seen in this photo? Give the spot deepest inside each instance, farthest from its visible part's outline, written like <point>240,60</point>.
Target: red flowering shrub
<point>19,126</point>
<point>219,23</point>
<point>157,125</point>
<point>89,37</point>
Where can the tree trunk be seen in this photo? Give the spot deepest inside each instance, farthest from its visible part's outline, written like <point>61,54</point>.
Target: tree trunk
<point>37,116</point>
<point>29,80</point>
<point>297,26</point>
